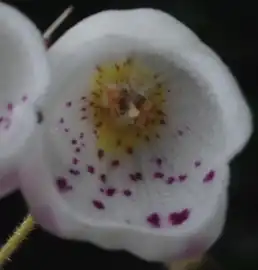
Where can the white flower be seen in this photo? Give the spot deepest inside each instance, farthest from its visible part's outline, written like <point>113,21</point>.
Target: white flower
<point>140,122</point>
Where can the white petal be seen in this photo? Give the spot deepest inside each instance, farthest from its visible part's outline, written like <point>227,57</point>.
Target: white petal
<point>24,76</point>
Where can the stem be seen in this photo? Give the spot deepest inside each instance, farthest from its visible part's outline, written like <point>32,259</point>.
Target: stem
<point>14,242</point>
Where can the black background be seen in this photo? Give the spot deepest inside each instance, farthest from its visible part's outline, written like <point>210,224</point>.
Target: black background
<point>231,29</point>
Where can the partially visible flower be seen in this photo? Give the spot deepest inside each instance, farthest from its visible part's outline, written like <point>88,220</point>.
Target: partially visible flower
<point>139,126</point>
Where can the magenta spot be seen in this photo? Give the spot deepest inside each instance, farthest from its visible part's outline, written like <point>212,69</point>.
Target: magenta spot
<point>91,169</point>
<point>75,161</point>
<point>84,118</point>
<point>74,172</point>
<point>98,204</point>
<point>66,129</point>
<point>197,163</point>
<point>77,150</point>
<point>68,104</point>
<point>132,177</point>
<point>110,192</point>
<point>180,132</point>
<point>10,107</point>
<point>102,190</point>
<point>73,141</point>
<point>1,119</point>
<point>62,185</point>
<point>159,161</point>
<point>154,220</point>
<point>61,121</point>
<point>158,175</point>
<point>182,177</point>
<point>209,176</point>
<point>129,150</point>
<point>178,218</point>
<point>103,178</point>
<point>24,98</point>
<point>138,176</point>
<point>100,153</point>
<point>81,135</point>
<point>127,192</point>
<point>171,180</point>
<point>115,163</point>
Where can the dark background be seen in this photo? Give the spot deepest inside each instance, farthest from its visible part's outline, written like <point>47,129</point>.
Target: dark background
<point>231,29</point>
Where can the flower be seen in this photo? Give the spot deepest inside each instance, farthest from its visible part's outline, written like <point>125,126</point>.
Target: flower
<point>140,122</point>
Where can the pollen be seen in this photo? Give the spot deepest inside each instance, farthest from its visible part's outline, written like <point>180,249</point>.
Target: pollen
<point>129,103</point>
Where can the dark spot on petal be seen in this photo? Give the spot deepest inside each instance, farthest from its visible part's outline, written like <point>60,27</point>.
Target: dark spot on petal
<point>84,118</point>
<point>171,180</point>
<point>83,98</point>
<point>24,98</point>
<point>158,175</point>
<point>75,161</point>
<point>98,125</point>
<point>73,141</point>
<point>138,176</point>
<point>132,177</point>
<point>118,142</point>
<point>147,138</point>
<point>98,204</point>
<point>154,220</point>
<point>99,69</point>
<point>103,178</point>
<point>180,132</point>
<point>110,192</point>
<point>100,153</point>
<point>83,109</point>
<point>77,150</point>
<point>1,119</point>
<point>102,190</point>
<point>91,169</point>
<point>159,161</point>
<point>162,122</point>
<point>66,129</point>
<point>197,163</point>
<point>182,177</point>
<point>61,121</point>
<point>127,192</point>
<point>157,136</point>
<point>178,218</point>
<point>81,135</point>
<point>117,67</point>
<point>209,176</point>
<point>115,163</point>
<point>40,117</point>
<point>62,184</point>
<point>74,172</point>
<point>68,104</point>
<point>9,107</point>
<point>129,150</point>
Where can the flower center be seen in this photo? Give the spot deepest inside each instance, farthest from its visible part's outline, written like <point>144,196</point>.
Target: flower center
<point>126,105</point>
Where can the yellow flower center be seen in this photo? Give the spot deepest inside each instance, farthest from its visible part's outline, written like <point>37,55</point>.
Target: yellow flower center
<point>126,105</point>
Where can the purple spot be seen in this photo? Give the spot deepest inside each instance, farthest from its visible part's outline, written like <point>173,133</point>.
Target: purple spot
<point>159,161</point>
<point>197,163</point>
<point>127,192</point>
<point>180,132</point>
<point>61,121</point>
<point>1,119</point>
<point>103,178</point>
<point>110,192</point>
<point>84,118</point>
<point>115,163</point>
<point>182,177</point>
<point>178,218</point>
<point>171,180</point>
<point>24,98</point>
<point>98,204</point>
<point>68,104</point>
<point>102,190</point>
<point>81,135</point>
<point>154,220</point>
<point>77,150</point>
<point>91,169</point>
<point>75,161</point>
<point>100,153</point>
<point>83,109</point>
<point>10,107</point>
<point>66,129</point>
<point>62,185</point>
<point>74,172</point>
<point>158,175</point>
<point>138,176</point>
<point>209,176</point>
<point>73,141</point>
<point>83,98</point>
<point>132,177</point>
